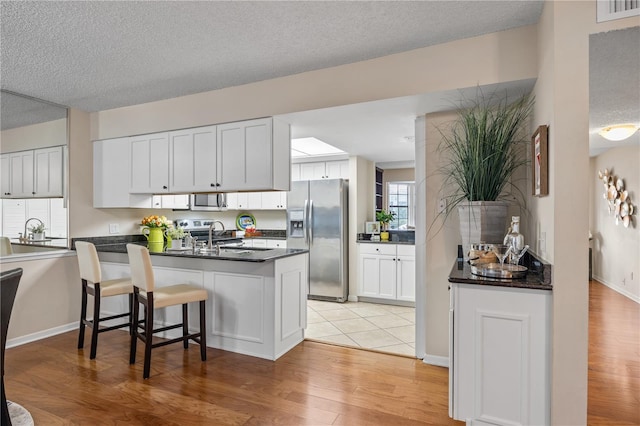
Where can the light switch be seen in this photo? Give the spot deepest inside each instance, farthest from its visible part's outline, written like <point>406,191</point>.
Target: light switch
<point>114,228</point>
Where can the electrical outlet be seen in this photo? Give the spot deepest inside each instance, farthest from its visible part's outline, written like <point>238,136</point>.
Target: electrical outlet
<point>114,228</point>
<point>542,242</point>
<point>442,205</point>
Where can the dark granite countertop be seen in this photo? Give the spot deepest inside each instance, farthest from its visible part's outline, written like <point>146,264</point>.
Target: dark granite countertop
<point>538,275</point>
<point>242,254</point>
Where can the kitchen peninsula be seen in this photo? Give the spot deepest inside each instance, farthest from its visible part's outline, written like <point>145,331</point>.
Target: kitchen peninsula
<point>257,298</point>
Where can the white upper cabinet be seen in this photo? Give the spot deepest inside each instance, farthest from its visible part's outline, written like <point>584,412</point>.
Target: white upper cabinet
<point>244,201</point>
<point>274,200</point>
<point>36,173</point>
<point>149,164</point>
<point>254,155</point>
<point>251,141</point>
<point>192,160</point>
<point>5,175</point>
<point>48,172</point>
<point>338,169</point>
<point>110,184</point>
<point>251,155</point>
<point>21,169</point>
<point>312,171</point>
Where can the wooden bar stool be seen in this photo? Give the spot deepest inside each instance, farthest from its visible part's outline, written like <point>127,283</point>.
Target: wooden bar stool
<point>93,285</point>
<point>145,293</point>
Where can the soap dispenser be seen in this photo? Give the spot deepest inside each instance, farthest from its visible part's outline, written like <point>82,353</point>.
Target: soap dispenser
<point>515,240</point>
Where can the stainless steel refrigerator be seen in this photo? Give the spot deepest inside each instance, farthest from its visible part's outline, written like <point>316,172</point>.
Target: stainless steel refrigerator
<point>317,220</point>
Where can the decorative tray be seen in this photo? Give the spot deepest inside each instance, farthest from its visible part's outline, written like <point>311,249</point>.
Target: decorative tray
<point>493,270</point>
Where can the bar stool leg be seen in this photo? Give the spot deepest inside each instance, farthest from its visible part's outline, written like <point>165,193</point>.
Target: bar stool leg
<point>134,335</point>
<point>83,315</point>
<point>132,325</point>
<point>203,332</point>
<point>148,332</point>
<point>96,321</point>
<point>185,326</point>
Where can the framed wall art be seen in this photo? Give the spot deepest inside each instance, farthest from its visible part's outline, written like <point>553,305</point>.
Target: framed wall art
<point>540,161</point>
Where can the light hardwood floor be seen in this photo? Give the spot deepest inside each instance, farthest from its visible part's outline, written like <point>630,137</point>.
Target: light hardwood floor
<point>313,384</point>
<point>614,358</point>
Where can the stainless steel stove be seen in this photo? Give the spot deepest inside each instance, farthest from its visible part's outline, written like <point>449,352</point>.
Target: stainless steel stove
<point>200,228</point>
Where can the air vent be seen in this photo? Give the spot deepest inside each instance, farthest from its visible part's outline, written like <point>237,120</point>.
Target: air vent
<point>608,10</point>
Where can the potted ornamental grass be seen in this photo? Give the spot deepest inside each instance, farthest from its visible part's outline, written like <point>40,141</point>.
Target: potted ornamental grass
<point>483,148</point>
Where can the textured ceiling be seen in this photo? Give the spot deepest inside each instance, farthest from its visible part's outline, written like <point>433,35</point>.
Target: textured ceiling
<point>614,85</point>
<point>101,55</point>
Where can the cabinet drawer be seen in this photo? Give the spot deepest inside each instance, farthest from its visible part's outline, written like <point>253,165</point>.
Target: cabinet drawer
<point>386,249</point>
<point>406,250</point>
<point>260,243</point>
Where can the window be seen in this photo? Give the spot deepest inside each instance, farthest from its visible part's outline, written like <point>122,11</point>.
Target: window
<point>401,196</point>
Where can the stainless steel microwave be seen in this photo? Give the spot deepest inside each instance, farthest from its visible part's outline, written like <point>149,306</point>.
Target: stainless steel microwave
<point>208,202</point>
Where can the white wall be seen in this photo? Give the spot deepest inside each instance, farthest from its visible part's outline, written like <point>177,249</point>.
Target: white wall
<point>42,135</point>
<point>616,249</point>
<point>562,101</point>
<point>48,297</point>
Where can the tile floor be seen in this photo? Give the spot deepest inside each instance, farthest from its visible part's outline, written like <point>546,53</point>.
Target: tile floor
<point>385,328</point>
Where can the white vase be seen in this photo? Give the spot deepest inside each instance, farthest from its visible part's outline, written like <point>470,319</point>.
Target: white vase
<point>176,244</point>
<point>482,222</point>
<point>39,236</point>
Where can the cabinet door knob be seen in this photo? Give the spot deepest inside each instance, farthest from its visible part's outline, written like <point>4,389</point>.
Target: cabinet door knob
<point>33,193</point>
<point>217,184</point>
<point>213,184</point>
<point>164,186</point>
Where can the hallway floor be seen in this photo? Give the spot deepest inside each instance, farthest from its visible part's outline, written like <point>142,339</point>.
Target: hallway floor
<point>386,328</point>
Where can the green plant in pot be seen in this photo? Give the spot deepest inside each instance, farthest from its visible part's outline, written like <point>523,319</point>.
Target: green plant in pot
<point>37,231</point>
<point>384,217</point>
<point>482,151</point>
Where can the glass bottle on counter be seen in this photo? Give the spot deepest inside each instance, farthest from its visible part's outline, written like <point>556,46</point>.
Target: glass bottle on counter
<point>515,240</point>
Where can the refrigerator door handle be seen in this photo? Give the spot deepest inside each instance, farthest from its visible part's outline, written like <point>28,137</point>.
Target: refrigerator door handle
<point>305,222</point>
<point>310,223</point>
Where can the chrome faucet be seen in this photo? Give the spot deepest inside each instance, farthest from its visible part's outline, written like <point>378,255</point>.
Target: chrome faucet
<point>212,226</point>
<point>25,235</point>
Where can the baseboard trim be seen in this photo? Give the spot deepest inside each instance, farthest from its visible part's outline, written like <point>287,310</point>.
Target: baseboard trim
<point>440,361</point>
<point>617,289</point>
<point>17,341</point>
<point>352,298</point>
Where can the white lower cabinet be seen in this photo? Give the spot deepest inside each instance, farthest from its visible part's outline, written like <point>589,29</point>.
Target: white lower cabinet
<point>264,243</point>
<point>253,308</point>
<point>387,271</point>
<point>499,355</point>
<point>276,243</point>
<point>258,315</point>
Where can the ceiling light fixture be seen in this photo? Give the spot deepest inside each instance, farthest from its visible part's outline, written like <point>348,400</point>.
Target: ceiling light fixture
<point>618,132</point>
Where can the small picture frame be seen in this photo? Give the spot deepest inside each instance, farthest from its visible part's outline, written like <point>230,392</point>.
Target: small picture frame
<point>540,162</point>
<point>372,227</point>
